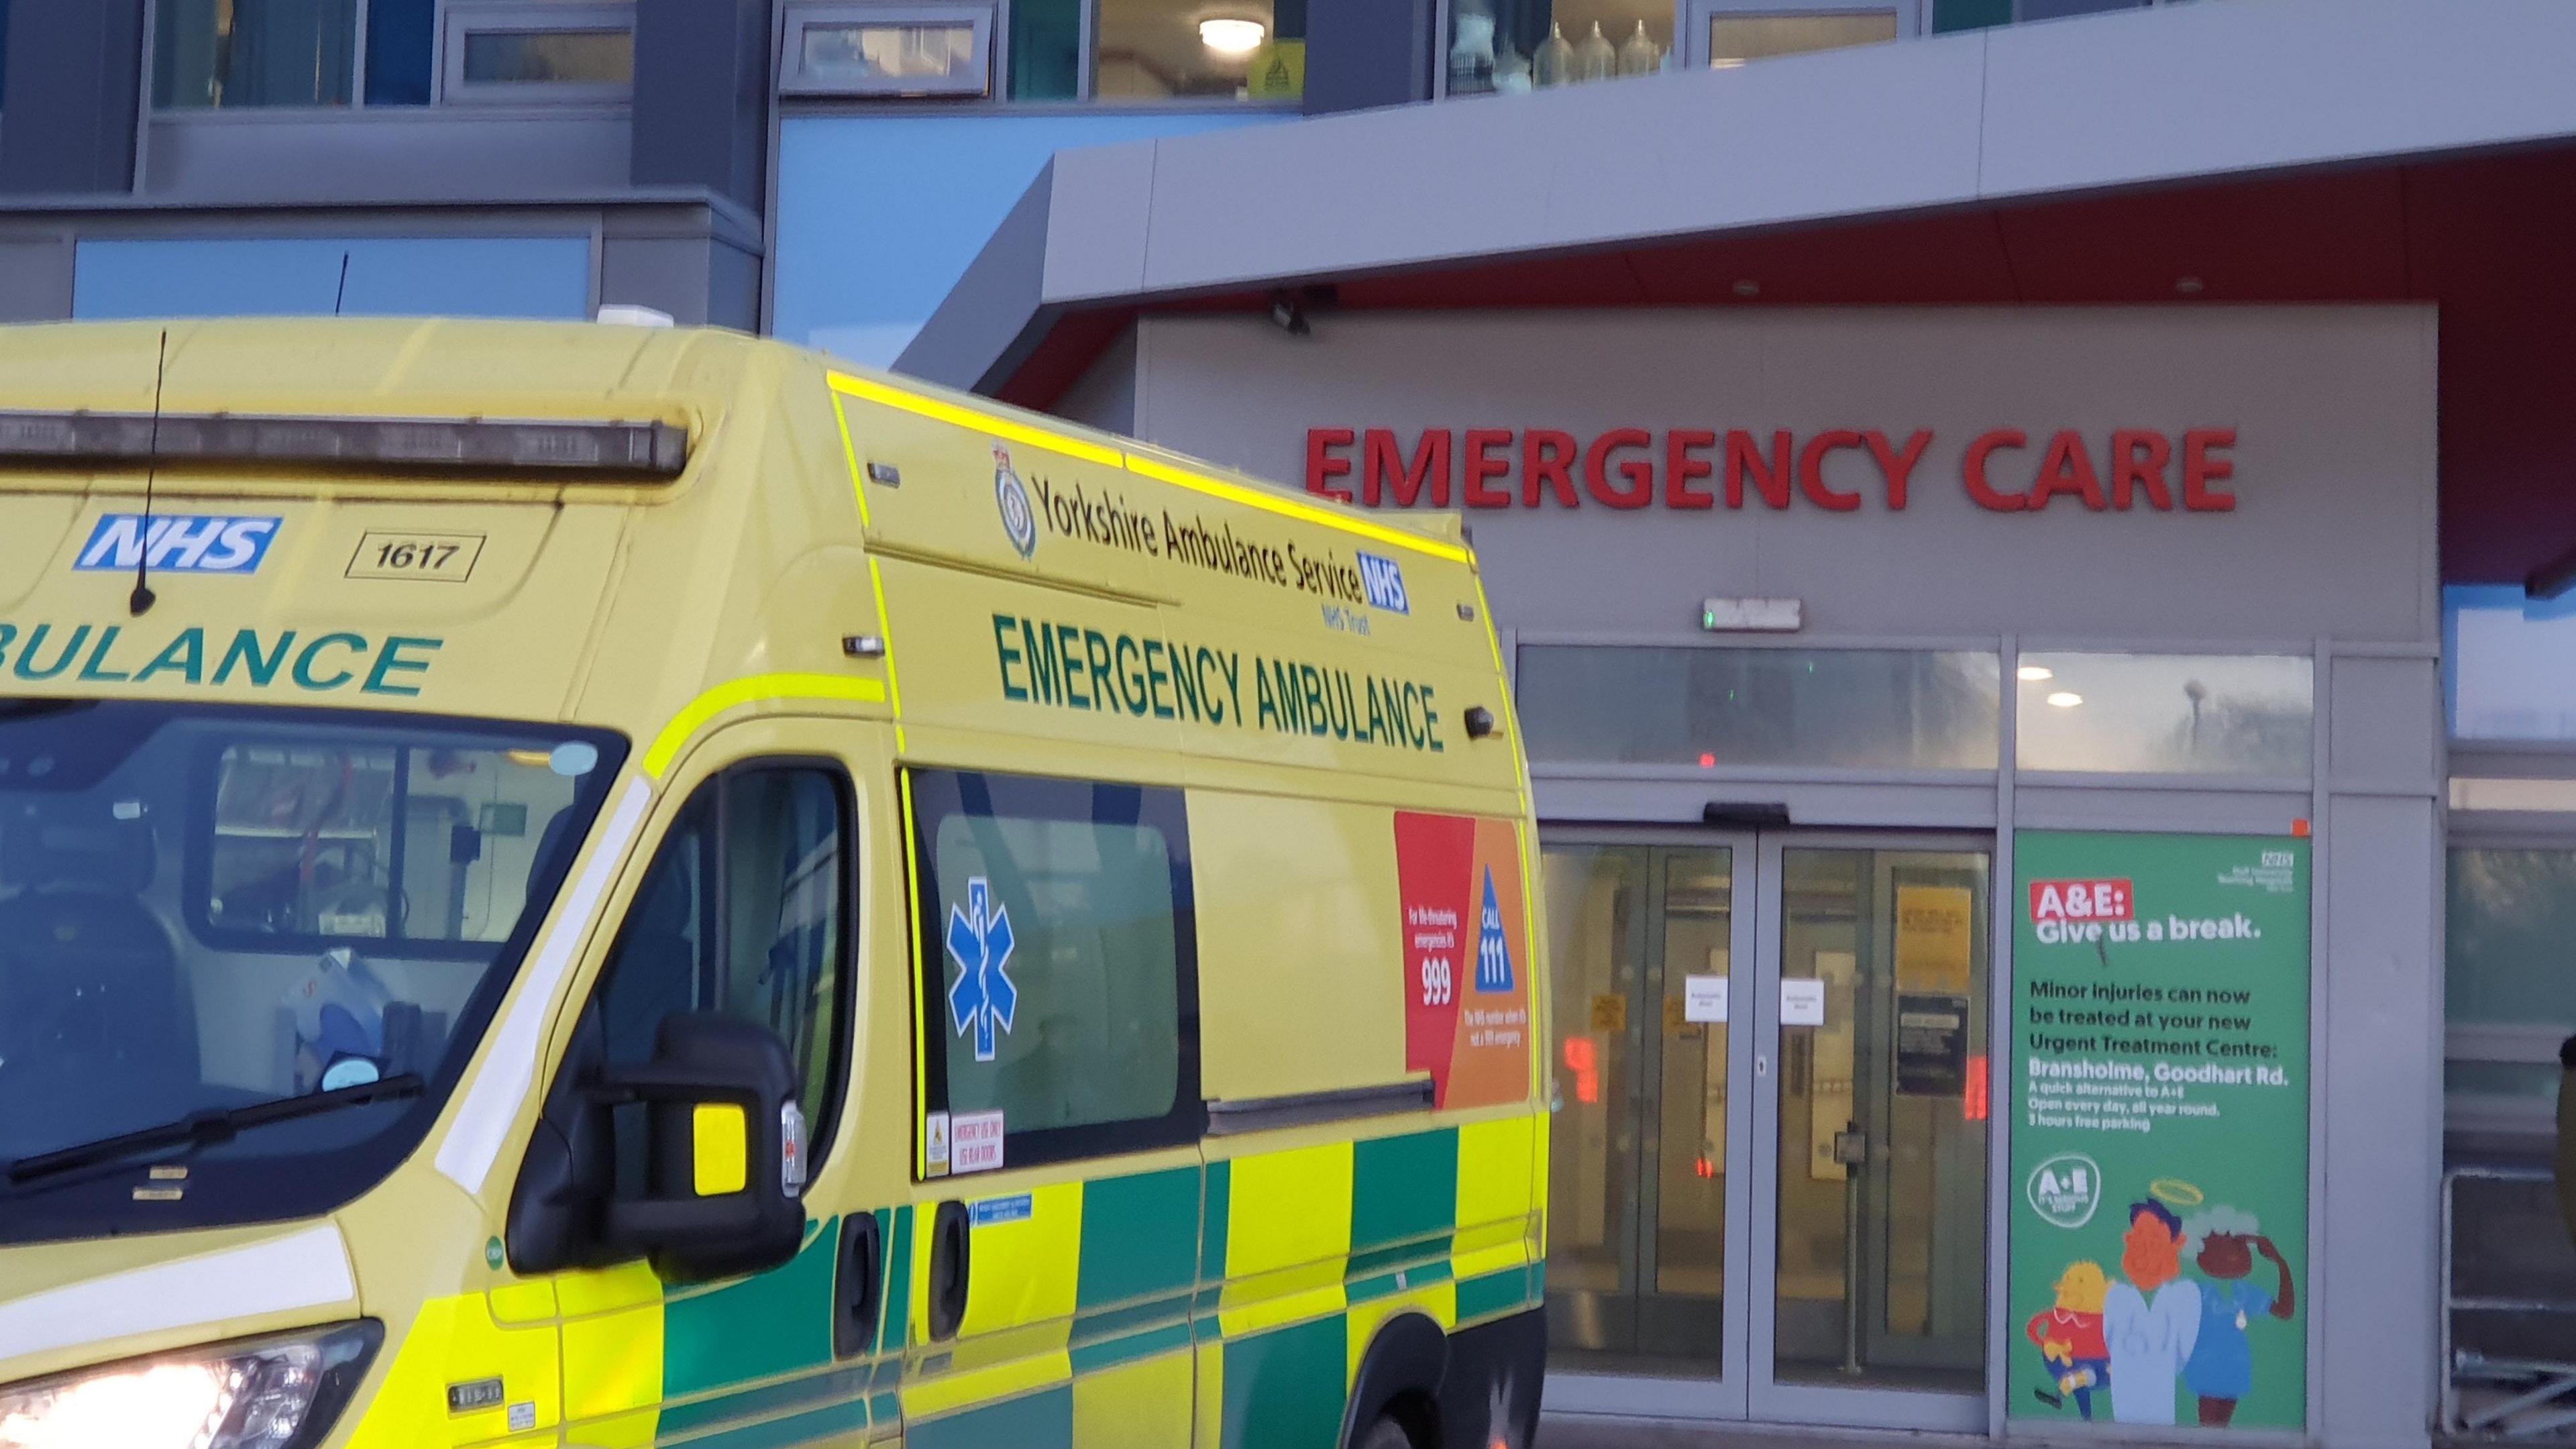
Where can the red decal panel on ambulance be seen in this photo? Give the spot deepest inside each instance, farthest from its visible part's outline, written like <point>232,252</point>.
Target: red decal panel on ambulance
<point>1466,958</point>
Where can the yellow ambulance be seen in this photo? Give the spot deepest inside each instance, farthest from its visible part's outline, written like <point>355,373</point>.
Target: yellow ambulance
<point>593,885</point>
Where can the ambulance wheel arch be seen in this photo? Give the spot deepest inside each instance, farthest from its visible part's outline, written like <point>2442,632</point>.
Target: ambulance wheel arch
<point>1399,1380</point>
<point>779,794</point>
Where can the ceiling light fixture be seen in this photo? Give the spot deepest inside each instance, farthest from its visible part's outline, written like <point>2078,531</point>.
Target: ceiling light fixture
<point>2066,699</point>
<point>1232,37</point>
<point>2034,673</point>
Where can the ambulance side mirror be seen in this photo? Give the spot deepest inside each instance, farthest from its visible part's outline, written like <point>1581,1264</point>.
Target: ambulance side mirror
<point>724,1150</point>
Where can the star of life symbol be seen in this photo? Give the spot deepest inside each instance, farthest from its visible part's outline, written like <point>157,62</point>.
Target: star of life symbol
<point>1019,520</point>
<point>1493,950</point>
<point>983,999</point>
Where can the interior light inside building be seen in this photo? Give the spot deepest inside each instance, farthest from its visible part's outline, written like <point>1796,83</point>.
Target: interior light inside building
<point>1232,37</point>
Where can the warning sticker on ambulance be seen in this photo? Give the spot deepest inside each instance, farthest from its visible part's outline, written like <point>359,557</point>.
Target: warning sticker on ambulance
<point>974,1142</point>
<point>1466,958</point>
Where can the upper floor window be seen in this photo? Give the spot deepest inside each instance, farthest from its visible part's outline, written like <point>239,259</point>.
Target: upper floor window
<point>2510,663</point>
<point>238,54</point>
<point>1127,51</point>
<point>1523,45</point>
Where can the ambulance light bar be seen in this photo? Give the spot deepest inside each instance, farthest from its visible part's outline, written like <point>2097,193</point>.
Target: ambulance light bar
<point>475,445</point>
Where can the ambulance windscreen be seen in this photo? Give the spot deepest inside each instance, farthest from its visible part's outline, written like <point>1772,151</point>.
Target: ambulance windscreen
<point>207,907</point>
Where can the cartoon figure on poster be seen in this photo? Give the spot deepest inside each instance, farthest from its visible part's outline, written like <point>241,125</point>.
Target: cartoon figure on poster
<point>2069,1337</point>
<point>2158,1333</point>
<point>2220,1371</point>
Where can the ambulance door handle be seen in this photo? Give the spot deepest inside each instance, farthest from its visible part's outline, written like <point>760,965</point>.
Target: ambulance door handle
<point>952,1249</point>
<point>858,1298</point>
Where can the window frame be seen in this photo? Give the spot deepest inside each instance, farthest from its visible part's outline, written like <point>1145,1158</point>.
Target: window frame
<point>459,18</point>
<point>933,794</point>
<point>1696,14</point>
<point>713,790</point>
<point>1690,27</point>
<point>803,15</point>
<point>2493,1043</point>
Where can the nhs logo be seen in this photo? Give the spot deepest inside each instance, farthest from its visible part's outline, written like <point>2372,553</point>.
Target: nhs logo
<point>179,543</point>
<point>1384,584</point>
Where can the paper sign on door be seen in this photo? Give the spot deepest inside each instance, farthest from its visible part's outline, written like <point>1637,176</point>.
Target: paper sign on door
<point>1704,998</point>
<point>1802,1001</point>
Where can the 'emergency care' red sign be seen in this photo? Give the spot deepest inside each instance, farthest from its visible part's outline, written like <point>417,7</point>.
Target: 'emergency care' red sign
<point>2005,470</point>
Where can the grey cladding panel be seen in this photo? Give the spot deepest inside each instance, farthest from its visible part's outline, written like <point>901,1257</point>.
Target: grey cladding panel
<point>2374,1265</point>
<point>2386,721</point>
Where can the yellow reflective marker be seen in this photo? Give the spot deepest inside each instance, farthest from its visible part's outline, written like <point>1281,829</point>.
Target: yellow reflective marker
<point>720,1148</point>
<point>760,687</point>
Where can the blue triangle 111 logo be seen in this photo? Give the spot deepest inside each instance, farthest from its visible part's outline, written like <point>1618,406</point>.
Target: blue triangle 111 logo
<point>1493,949</point>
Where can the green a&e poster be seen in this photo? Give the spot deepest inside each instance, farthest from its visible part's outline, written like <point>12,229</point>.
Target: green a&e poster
<point>2160,1137</point>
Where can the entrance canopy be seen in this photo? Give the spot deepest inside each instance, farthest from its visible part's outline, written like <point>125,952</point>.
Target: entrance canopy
<point>2251,151</point>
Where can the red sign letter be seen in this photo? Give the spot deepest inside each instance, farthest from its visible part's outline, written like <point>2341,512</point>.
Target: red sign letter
<point>1545,452</point>
<point>1383,468</point>
<point>1811,470</point>
<point>1681,466</point>
<point>1323,464</point>
<point>1482,464</point>
<point>1640,472</point>
<point>2132,468</point>
<point>1771,477</point>
<point>1898,467</point>
<point>2200,468</point>
<point>2067,469</point>
<point>1975,470</point>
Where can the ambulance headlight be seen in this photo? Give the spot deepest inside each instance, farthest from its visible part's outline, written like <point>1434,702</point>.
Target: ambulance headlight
<point>268,1393</point>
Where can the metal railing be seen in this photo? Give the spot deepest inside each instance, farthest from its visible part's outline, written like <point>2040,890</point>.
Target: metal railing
<point>2510,1395</point>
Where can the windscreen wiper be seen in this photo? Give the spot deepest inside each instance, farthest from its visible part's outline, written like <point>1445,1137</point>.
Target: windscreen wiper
<point>200,1130</point>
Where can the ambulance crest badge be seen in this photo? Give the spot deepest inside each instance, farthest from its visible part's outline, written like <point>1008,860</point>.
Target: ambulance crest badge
<point>1019,521</point>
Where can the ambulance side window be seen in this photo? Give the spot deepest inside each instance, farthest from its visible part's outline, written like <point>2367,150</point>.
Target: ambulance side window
<point>745,910</point>
<point>1059,967</point>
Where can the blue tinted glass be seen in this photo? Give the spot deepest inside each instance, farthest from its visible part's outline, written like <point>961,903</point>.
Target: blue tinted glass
<point>4,52</point>
<point>2509,664</point>
<point>253,53</point>
<point>400,35</point>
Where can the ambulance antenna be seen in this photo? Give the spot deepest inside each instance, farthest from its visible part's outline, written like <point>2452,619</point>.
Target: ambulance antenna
<point>142,598</point>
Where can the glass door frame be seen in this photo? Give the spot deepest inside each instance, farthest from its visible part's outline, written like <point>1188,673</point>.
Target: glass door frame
<point>1770,1400</point>
<point>1725,1396</point>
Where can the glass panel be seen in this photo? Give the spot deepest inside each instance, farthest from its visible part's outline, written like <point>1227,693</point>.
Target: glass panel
<point>320,843</point>
<point>1637,1186</point>
<point>776,840</point>
<point>1091,1022</point>
<point>2511,664</point>
<point>1715,708</point>
<point>1596,918</point>
<point>783,900</point>
<point>2538,1080</point>
<point>1170,49</point>
<point>2510,918</point>
<point>1046,50</point>
<point>214,53</point>
<point>1735,39</point>
<point>204,908</point>
<point>1520,45</point>
<point>557,57</point>
<point>2190,714</point>
<point>402,42</point>
<point>1883,1120</point>
<point>1683,1318</point>
<point>923,51</point>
